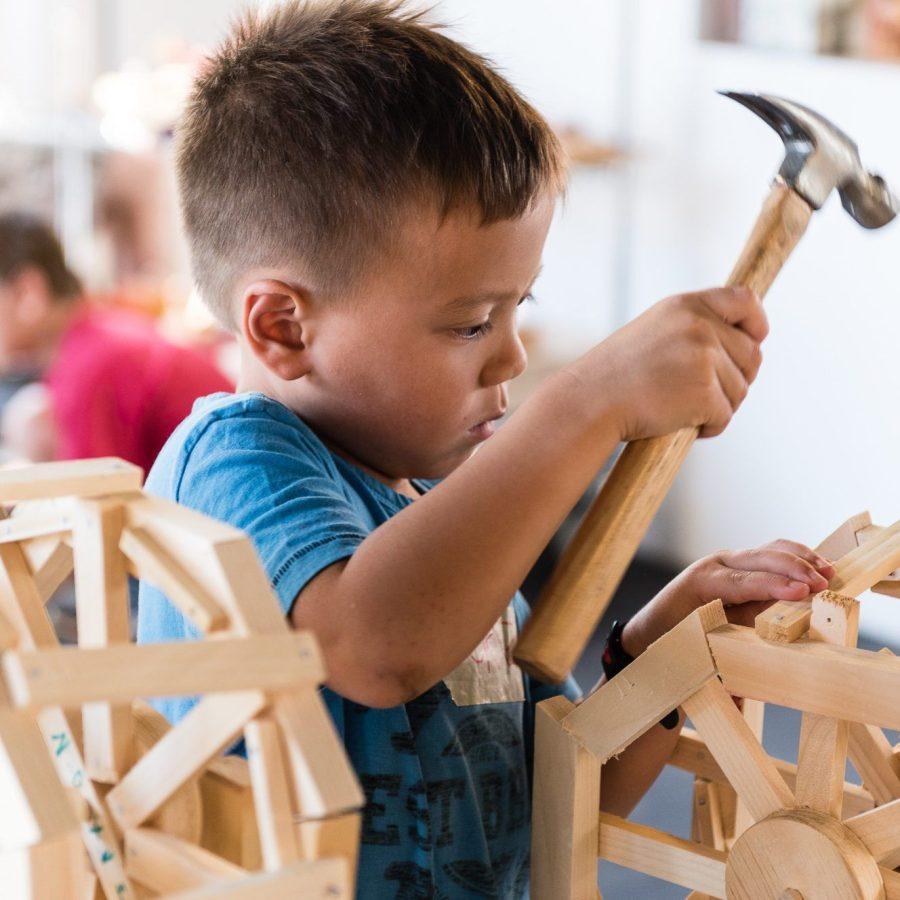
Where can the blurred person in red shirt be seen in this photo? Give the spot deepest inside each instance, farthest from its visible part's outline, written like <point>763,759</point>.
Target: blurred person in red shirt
<point>105,382</point>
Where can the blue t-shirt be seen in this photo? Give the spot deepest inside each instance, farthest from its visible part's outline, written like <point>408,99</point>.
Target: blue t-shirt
<point>447,787</point>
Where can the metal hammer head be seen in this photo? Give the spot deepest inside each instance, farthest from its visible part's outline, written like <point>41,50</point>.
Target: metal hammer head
<point>820,157</point>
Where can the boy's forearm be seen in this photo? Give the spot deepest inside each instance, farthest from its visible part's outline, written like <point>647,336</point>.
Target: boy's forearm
<point>423,589</point>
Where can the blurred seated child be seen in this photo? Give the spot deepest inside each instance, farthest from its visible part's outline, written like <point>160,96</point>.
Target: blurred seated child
<point>110,384</point>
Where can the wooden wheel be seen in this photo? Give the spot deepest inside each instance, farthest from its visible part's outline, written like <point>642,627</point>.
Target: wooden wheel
<point>794,831</point>
<point>121,790</point>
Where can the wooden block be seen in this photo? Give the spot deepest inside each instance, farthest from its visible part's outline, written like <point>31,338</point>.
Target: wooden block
<point>692,755</point>
<point>70,676</point>
<point>879,830</point>
<point>845,537</point>
<point>336,836</point>
<point>46,871</point>
<point>158,567</point>
<point>209,727</point>
<point>81,478</point>
<point>707,827</point>
<point>784,621</point>
<point>102,609</point>
<point>809,675</point>
<point>20,601</point>
<point>658,681</point>
<point>662,855</point>
<point>50,561</point>
<point>748,768</point>
<point>33,805</point>
<point>753,712</point>
<point>566,801</point>
<point>271,794</point>
<point>868,564</point>
<point>229,820</point>
<point>325,879</point>
<point>823,740</point>
<point>97,833</point>
<point>37,519</point>
<point>166,863</point>
<point>322,780</point>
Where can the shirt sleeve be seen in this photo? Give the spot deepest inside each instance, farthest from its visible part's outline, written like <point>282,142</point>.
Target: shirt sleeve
<point>276,482</point>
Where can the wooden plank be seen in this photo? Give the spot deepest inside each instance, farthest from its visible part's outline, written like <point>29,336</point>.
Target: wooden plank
<point>20,602</point>
<point>822,756</point>
<point>271,793</point>
<point>879,830</point>
<point>103,615</point>
<point>70,676</point>
<point>707,825</point>
<point>748,768</point>
<point>33,804</point>
<point>324,879</point>
<point>868,564</point>
<point>155,565</point>
<point>48,871</point>
<point>784,621</point>
<point>164,863</point>
<point>37,520</point>
<point>322,780</point>
<point>80,478</point>
<point>692,755</point>
<point>565,827</point>
<point>658,681</point>
<point>335,836</point>
<point>50,561</point>
<point>872,757</point>
<point>809,675</point>
<point>662,855</point>
<point>229,817</point>
<point>209,727</point>
<point>753,712</point>
<point>845,537</point>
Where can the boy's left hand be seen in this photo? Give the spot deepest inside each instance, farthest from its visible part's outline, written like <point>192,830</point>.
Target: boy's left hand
<point>746,581</point>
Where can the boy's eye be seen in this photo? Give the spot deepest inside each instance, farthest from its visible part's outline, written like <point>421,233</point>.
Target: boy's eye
<point>473,331</point>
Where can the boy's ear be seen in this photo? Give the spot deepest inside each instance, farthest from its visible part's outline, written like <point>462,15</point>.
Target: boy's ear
<point>33,295</point>
<point>275,324</point>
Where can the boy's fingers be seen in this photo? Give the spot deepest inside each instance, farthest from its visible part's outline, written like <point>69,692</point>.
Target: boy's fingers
<point>739,306</point>
<point>743,585</point>
<point>743,349</point>
<point>804,552</point>
<point>778,562</point>
<point>732,381</point>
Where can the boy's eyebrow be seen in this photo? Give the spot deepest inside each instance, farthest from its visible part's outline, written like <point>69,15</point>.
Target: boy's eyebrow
<point>461,304</point>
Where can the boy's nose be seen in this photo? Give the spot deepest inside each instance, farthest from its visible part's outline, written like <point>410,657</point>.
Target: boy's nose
<point>507,363</point>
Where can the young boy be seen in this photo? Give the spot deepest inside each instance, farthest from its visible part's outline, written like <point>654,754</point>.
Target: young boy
<point>367,203</point>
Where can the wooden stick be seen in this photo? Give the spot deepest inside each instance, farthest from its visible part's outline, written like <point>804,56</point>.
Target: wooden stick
<point>812,676</point>
<point>82,478</point>
<point>707,826</point>
<point>102,609</point>
<point>70,676</point>
<point>164,863</point>
<point>37,519</point>
<point>564,809</point>
<point>271,795</point>
<point>158,567</point>
<point>692,755</point>
<point>324,879</point>
<point>754,715</point>
<point>662,855</point>
<point>879,830</point>
<point>50,562</point>
<point>592,567</point>
<point>209,727</point>
<point>747,766</point>
<point>639,696</point>
<point>823,740</point>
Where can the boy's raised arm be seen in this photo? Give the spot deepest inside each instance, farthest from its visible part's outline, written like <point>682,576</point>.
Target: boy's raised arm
<point>424,588</point>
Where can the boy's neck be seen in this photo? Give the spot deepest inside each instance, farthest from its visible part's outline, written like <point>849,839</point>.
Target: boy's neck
<point>252,381</point>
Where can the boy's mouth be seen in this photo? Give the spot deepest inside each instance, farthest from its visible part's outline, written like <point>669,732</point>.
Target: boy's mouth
<point>483,430</point>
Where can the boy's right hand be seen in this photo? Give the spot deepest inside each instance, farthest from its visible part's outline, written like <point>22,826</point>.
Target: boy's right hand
<point>688,360</point>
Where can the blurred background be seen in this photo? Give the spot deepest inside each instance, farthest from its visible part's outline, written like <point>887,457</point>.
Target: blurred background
<point>667,178</point>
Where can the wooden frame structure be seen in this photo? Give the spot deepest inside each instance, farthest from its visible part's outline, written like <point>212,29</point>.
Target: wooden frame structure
<point>109,804</point>
<point>763,829</point>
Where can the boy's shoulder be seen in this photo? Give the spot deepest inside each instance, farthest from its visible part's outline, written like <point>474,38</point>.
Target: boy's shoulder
<point>222,430</point>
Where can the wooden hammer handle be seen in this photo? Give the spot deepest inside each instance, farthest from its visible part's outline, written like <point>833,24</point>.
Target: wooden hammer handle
<point>593,564</point>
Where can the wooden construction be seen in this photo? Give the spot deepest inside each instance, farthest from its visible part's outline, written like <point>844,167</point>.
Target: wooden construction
<point>763,829</point>
<point>100,796</point>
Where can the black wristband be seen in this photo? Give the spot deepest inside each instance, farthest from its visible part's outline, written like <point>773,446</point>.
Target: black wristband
<point>615,658</point>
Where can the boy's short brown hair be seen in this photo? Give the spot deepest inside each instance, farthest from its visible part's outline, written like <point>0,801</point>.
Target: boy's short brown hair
<point>314,126</point>
<point>26,241</point>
